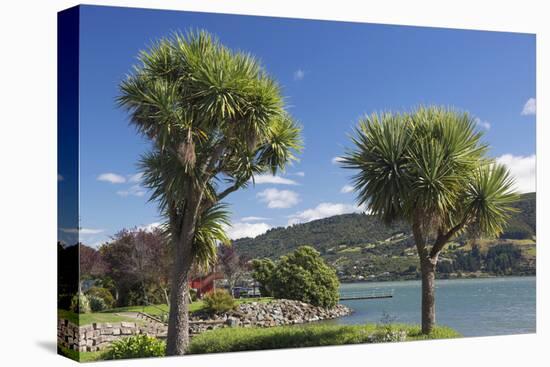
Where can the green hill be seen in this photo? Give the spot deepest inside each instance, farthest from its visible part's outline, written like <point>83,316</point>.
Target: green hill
<point>362,247</point>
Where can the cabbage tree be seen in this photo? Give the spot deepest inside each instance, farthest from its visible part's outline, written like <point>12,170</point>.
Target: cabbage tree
<point>214,118</point>
<point>430,168</point>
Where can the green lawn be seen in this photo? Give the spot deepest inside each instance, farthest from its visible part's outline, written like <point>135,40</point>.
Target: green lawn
<point>151,310</point>
<point>90,318</point>
<point>308,335</point>
<point>156,310</point>
<point>193,307</point>
<point>242,339</point>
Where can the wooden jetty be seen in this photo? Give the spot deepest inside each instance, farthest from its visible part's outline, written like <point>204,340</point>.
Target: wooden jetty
<point>372,294</point>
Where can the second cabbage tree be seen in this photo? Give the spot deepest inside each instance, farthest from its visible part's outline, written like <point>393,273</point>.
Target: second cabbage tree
<point>431,169</point>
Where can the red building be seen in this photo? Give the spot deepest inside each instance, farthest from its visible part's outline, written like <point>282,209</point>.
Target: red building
<point>205,284</point>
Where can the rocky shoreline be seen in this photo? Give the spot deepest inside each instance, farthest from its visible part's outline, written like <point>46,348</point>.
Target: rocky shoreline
<point>268,314</point>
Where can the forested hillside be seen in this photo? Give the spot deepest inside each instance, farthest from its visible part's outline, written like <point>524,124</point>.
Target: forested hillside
<point>362,247</point>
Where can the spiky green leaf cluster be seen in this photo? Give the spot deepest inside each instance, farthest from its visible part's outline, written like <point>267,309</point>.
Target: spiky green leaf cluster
<point>190,89</point>
<point>429,165</point>
<point>215,119</point>
<point>209,233</point>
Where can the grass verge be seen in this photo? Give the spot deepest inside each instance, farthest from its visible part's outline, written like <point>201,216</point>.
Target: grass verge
<point>90,318</point>
<point>242,339</point>
<point>313,335</point>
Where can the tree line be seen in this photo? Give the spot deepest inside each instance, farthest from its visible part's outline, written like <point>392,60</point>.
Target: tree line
<point>133,267</point>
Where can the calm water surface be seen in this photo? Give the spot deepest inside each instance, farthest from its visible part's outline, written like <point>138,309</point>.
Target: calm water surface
<point>473,307</point>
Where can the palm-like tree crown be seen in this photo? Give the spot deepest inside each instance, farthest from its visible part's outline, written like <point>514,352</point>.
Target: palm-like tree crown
<point>215,118</point>
<point>430,167</point>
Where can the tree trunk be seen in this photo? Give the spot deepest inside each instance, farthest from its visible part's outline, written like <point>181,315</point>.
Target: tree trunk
<point>428,296</point>
<point>178,320</point>
<point>183,234</point>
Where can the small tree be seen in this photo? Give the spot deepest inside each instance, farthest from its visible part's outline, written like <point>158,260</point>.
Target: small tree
<point>138,259</point>
<point>215,119</point>
<point>430,169</point>
<point>91,263</point>
<point>231,265</point>
<point>262,272</point>
<point>303,275</point>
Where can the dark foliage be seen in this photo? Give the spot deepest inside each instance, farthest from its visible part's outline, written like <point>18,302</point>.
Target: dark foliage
<point>67,274</point>
<point>138,263</point>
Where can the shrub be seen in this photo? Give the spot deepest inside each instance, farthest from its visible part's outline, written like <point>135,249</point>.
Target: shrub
<point>139,346</point>
<point>97,304</point>
<point>80,303</point>
<point>104,294</point>
<point>304,276</point>
<point>262,273</point>
<point>218,301</point>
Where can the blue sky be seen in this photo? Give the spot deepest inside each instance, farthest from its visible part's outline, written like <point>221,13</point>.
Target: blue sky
<point>331,74</point>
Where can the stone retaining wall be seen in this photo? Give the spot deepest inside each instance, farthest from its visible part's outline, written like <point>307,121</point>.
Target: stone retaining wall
<point>98,336</point>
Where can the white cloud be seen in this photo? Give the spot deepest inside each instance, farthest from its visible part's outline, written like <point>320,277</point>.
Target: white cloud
<point>135,178</point>
<point>81,230</point>
<point>150,227</point>
<point>530,107</point>
<point>346,189</point>
<point>301,173</point>
<point>322,210</point>
<point>134,190</point>
<point>277,199</point>
<point>270,179</point>
<point>97,244</point>
<point>299,74</point>
<point>337,160</point>
<point>483,124</point>
<point>240,229</point>
<point>523,169</point>
<point>253,219</point>
<point>112,178</point>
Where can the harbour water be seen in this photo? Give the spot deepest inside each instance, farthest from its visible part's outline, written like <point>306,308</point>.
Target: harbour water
<point>473,307</point>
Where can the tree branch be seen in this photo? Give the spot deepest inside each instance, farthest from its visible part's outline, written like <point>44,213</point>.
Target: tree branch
<point>229,190</point>
<point>442,239</point>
